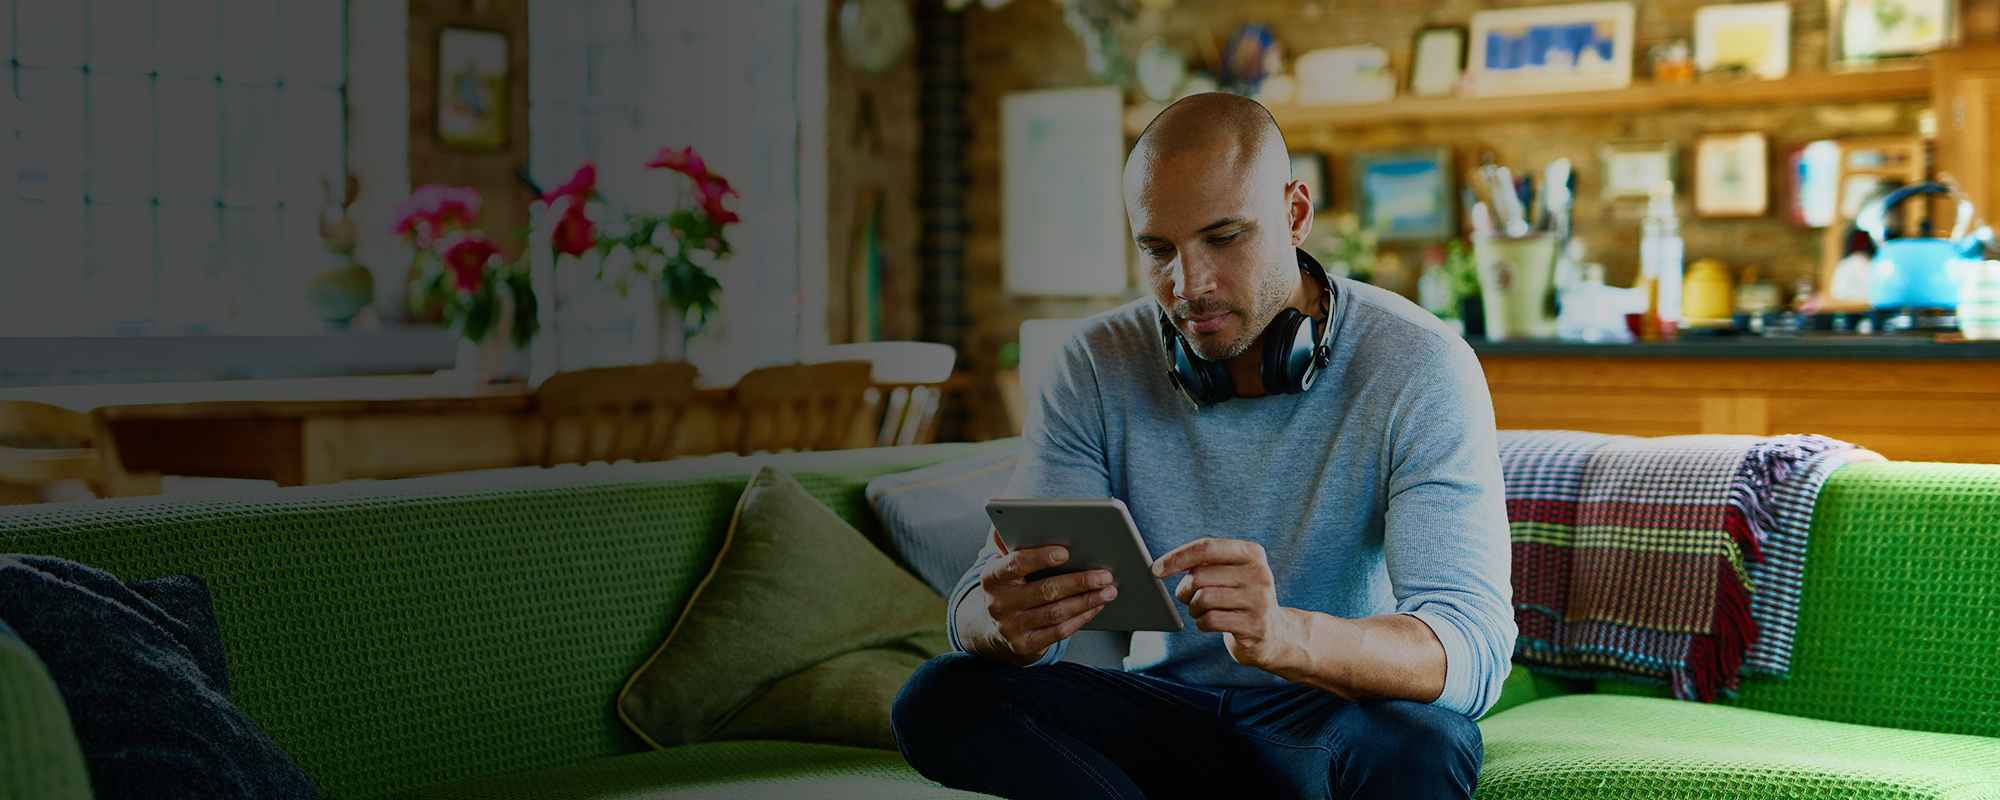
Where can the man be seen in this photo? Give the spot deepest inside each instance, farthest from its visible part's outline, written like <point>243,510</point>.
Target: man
<point>1340,553</point>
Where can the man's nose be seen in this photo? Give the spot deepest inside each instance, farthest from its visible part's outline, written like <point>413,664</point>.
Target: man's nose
<point>1193,277</point>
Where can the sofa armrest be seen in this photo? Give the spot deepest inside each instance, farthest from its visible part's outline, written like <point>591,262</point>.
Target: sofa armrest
<point>36,741</point>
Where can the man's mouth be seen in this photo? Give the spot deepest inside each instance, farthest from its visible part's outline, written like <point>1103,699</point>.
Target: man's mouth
<point>1208,323</point>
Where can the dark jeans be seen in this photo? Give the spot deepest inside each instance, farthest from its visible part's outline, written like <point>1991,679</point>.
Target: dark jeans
<point>1067,730</point>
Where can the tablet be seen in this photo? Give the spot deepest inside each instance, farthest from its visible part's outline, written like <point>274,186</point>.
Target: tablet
<point>1100,535</point>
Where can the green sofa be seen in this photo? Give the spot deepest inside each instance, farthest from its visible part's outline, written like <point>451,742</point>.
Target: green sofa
<point>464,636</point>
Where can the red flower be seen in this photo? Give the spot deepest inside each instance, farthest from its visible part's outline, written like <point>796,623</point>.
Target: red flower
<point>684,161</point>
<point>578,188</point>
<point>466,257</point>
<point>712,206</point>
<point>575,234</point>
<point>456,205</point>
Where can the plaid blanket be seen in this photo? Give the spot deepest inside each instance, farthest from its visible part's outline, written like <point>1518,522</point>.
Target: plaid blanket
<point>1639,558</point>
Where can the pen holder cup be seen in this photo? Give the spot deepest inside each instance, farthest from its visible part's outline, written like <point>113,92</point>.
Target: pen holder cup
<point>1516,285</point>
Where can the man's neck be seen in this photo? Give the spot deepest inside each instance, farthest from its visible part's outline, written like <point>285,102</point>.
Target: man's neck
<point>1246,370</point>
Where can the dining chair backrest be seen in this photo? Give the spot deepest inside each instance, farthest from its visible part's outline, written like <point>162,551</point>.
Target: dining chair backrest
<point>42,446</point>
<point>614,413</point>
<point>804,407</point>
<point>908,382</point>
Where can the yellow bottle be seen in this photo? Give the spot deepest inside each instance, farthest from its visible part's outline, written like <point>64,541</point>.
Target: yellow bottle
<point>1707,295</point>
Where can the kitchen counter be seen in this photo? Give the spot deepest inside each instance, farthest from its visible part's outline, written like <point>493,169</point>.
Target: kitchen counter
<point>1834,347</point>
<point>1904,397</point>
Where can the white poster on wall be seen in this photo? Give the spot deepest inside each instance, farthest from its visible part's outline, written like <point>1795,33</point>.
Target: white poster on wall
<point>1063,214</point>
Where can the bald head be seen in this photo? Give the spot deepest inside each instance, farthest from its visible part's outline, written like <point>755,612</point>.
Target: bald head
<point>1216,216</point>
<point>1213,125</point>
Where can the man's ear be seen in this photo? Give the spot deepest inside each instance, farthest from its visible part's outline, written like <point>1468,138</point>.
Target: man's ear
<point>1299,210</point>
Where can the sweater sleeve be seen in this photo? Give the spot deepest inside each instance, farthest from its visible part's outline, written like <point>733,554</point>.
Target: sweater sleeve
<point>1446,538</point>
<point>1062,455</point>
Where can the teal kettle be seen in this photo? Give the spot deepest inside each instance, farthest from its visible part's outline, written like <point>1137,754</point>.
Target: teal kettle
<point>1921,272</point>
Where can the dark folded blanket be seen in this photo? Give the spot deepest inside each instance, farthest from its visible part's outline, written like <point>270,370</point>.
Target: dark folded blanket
<point>1641,558</point>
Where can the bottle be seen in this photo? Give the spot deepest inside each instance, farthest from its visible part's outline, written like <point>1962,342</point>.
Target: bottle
<point>1660,253</point>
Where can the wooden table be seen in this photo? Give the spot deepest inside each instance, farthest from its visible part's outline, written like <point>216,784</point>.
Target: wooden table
<point>326,430</point>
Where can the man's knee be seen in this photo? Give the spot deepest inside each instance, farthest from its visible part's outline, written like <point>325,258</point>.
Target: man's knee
<point>943,697</point>
<point>1409,749</point>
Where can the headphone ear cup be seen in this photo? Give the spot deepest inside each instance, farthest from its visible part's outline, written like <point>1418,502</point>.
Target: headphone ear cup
<point>1280,340</point>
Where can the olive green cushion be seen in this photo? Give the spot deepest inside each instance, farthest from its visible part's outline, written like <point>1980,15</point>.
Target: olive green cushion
<point>1599,747</point>
<point>39,755</point>
<point>738,770</point>
<point>793,588</point>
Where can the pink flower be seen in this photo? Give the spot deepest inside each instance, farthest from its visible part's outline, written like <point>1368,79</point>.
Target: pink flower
<point>431,210</point>
<point>684,161</point>
<point>575,234</point>
<point>578,188</point>
<point>712,206</point>
<point>466,256</point>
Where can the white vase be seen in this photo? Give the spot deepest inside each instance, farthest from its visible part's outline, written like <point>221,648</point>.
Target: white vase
<point>489,360</point>
<point>545,351</point>
<point>668,329</point>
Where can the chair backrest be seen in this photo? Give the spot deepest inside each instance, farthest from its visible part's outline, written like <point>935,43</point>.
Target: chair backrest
<point>43,445</point>
<point>614,413</point>
<point>804,407</point>
<point>908,378</point>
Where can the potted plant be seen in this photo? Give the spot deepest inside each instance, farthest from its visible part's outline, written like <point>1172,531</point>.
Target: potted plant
<point>485,299</point>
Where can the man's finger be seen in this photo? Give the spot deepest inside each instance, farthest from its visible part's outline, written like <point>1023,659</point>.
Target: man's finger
<point>1026,561</point>
<point>1236,622</point>
<point>1207,550</point>
<point>1048,590</point>
<point>1221,598</point>
<point>1043,638</point>
<point>1204,577</point>
<point>1056,613</point>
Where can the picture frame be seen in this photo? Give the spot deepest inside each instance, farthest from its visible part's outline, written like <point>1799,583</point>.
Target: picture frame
<point>1437,60</point>
<point>1753,37</point>
<point>1310,169</point>
<point>474,89</point>
<point>1860,37</point>
<point>1344,76</point>
<point>1406,194</point>
<point>1732,175</point>
<point>1546,49</point>
<point>1631,169</point>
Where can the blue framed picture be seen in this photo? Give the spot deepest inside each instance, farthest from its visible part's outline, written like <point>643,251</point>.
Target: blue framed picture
<point>1582,47</point>
<point>1406,194</point>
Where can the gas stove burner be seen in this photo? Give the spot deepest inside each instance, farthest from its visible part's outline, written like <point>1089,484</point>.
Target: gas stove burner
<point>1915,320</point>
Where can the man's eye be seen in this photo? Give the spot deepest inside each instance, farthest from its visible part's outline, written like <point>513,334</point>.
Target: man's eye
<point>1159,253</point>
<point>1225,238</point>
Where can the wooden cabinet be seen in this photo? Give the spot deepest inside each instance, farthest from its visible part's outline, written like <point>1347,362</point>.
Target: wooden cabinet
<point>1965,90</point>
<point>1916,410</point>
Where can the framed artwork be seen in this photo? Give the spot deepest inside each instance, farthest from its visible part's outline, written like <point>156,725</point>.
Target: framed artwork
<point>1543,49</point>
<point>1632,169</point>
<point>1061,193</point>
<point>1732,175</point>
<point>1310,169</point>
<point>1338,75</point>
<point>1406,194</point>
<point>473,89</point>
<point>1872,30</point>
<point>1754,37</point>
<point>1438,61</point>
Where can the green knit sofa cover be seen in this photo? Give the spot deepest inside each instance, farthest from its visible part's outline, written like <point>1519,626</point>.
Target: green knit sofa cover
<point>402,634</point>
<point>459,635</point>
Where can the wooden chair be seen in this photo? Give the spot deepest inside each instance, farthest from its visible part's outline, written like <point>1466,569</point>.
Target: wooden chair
<point>908,380</point>
<point>42,446</point>
<point>804,407</point>
<point>614,413</point>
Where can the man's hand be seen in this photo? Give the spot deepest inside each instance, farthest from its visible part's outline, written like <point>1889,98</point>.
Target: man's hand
<point>1031,616</point>
<point>1229,590</point>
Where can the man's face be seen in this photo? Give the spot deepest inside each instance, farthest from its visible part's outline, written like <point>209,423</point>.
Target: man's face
<point>1215,244</point>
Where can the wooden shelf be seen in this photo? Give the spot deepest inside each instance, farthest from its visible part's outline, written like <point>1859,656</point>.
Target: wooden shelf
<point>1899,83</point>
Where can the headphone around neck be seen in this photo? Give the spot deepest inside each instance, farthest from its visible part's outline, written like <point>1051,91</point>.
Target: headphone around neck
<point>1296,347</point>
